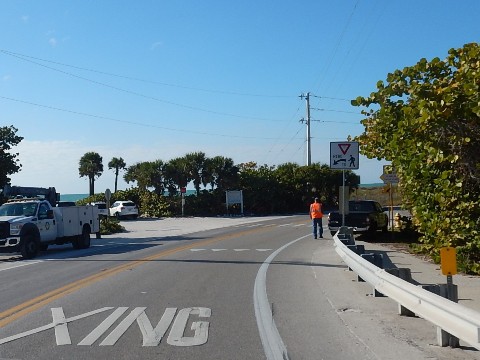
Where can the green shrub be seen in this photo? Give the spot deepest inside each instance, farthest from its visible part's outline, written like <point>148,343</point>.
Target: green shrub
<point>110,226</point>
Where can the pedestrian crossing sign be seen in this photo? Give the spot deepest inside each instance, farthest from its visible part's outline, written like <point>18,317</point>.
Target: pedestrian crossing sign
<point>344,155</point>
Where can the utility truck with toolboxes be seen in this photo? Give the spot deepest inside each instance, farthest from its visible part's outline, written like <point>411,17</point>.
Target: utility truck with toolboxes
<point>30,222</point>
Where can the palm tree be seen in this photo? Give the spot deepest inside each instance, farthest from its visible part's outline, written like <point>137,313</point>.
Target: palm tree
<point>176,174</point>
<point>136,172</point>
<point>147,174</point>
<point>90,165</point>
<point>117,164</point>
<point>195,166</point>
<point>227,173</point>
<point>220,171</point>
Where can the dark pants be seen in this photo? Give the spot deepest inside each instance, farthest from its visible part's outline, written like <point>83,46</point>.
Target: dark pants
<point>317,222</point>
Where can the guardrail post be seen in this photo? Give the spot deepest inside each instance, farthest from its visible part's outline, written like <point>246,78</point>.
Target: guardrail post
<point>449,291</point>
<point>377,260</point>
<point>345,230</point>
<point>357,249</point>
<point>404,274</point>
<point>346,239</point>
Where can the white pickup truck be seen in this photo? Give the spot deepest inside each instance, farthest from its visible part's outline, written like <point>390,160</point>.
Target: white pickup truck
<point>30,225</point>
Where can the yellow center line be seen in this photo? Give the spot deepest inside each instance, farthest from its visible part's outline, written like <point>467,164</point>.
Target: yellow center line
<point>27,307</point>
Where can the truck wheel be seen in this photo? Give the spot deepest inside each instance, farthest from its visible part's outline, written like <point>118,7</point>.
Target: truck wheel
<point>82,241</point>
<point>372,231</point>
<point>30,246</point>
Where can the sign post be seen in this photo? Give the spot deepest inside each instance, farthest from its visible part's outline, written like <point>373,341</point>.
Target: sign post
<point>183,190</point>
<point>448,261</point>
<point>108,196</point>
<point>390,177</point>
<point>344,156</point>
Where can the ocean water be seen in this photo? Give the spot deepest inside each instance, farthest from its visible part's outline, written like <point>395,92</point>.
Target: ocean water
<point>76,197</point>
<point>72,197</point>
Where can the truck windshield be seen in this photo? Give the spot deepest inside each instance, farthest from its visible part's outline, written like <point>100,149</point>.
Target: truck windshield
<point>360,206</point>
<point>18,209</point>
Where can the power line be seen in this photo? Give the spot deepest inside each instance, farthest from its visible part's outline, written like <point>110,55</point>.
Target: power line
<point>337,122</point>
<point>142,95</point>
<point>339,111</point>
<point>133,122</point>
<point>337,45</point>
<point>283,131</point>
<point>330,98</point>
<point>363,39</point>
<point>226,92</point>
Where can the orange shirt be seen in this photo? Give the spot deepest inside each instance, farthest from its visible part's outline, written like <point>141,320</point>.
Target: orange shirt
<point>316,211</point>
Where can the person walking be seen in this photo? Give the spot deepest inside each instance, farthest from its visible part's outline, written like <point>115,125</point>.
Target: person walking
<point>316,216</point>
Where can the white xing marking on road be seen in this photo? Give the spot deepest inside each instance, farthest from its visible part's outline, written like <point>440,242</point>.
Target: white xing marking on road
<point>52,325</point>
<point>103,327</point>
<point>200,327</point>
<point>151,336</point>
<point>272,342</point>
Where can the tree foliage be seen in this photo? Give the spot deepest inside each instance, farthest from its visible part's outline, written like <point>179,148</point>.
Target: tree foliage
<point>147,174</point>
<point>91,166</point>
<point>290,187</point>
<point>425,119</point>
<point>196,168</point>
<point>177,175</point>
<point>218,172</point>
<point>9,164</point>
<point>116,164</point>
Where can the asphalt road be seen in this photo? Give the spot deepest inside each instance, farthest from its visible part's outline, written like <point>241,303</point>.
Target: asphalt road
<point>252,289</point>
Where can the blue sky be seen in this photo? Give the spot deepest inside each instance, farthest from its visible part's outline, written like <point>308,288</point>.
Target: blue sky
<point>147,80</point>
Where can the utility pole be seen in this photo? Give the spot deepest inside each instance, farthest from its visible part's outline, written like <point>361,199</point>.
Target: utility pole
<point>309,142</point>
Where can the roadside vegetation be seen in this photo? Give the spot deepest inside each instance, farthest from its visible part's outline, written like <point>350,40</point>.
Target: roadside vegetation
<point>283,189</point>
<point>424,119</point>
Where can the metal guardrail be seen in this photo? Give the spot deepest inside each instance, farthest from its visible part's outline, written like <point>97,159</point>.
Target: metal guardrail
<point>456,319</point>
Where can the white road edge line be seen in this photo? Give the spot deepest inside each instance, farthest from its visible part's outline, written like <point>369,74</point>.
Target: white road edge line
<point>272,342</point>
<point>22,264</point>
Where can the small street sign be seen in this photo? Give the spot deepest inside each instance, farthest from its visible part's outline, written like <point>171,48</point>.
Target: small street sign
<point>344,155</point>
<point>389,178</point>
<point>389,175</point>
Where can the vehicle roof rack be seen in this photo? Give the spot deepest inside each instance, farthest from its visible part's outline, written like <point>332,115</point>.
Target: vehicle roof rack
<point>25,199</point>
